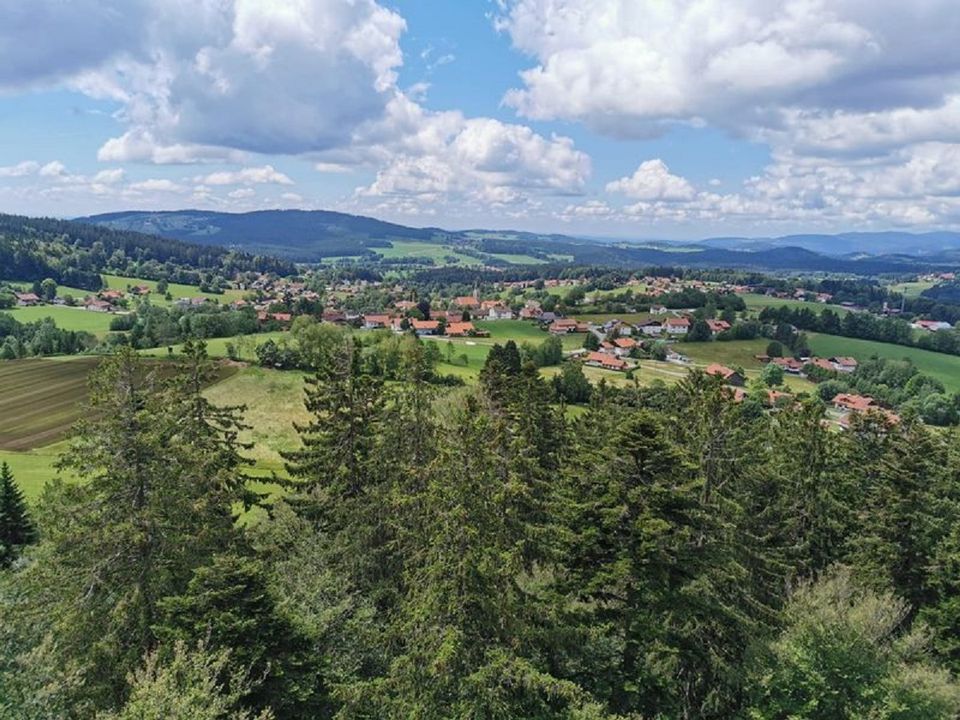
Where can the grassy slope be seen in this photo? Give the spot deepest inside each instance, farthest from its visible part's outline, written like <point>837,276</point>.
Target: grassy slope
<point>415,248</point>
<point>758,302</point>
<point>945,368</point>
<point>67,318</point>
<point>176,290</point>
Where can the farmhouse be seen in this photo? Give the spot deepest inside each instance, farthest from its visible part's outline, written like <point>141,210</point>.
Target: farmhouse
<point>623,346</point>
<point>822,363</point>
<point>730,376</point>
<point>460,329</point>
<point>608,362</point>
<point>677,326</point>
<point>372,322</point>
<point>718,326</point>
<point>26,299</point>
<point>498,311</point>
<point>425,327</point>
<point>844,364</point>
<point>658,310</point>
<point>98,305</point>
<point>466,301</point>
<point>853,403</point>
<point>651,328</point>
<point>563,326</point>
<point>790,365</point>
<point>930,325</point>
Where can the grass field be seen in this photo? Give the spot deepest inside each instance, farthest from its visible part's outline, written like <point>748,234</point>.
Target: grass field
<point>217,347</point>
<point>501,331</point>
<point>633,318</point>
<point>734,352</point>
<point>946,368</point>
<point>912,289</point>
<point>518,259</point>
<point>35,468</point>
<point>176,290</point>
<point>66,318</point>
<point>758,302</point>
<point>413,248</point>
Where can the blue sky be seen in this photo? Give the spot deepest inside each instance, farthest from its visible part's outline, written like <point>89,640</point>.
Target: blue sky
<point>631,118</point>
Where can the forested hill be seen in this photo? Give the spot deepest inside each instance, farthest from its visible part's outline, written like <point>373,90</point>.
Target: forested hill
<point>75,254</point>
<point>299,234</point>
<point>311,236</point>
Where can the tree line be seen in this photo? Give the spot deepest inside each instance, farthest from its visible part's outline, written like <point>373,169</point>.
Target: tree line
<point>476,553</point>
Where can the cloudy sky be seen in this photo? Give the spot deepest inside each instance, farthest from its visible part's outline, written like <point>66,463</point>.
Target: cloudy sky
<point>642,118</point>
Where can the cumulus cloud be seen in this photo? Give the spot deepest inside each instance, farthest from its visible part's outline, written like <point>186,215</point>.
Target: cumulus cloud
<point>247,176</point>
<point>157,185</point>
<point>858,102</point>
<point>653,181</point>
<point>21,169</point>
<point>243,75</point>
<point>448,156</point>
<point>630,66</point>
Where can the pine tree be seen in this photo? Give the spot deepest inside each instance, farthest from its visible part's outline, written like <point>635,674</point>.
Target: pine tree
<point>228,607</point>
<point>16,527</point>
<point>152,505</point>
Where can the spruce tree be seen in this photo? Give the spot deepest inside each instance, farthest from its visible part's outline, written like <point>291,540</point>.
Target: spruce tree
<point>16,527</point>
<point>153,504</point>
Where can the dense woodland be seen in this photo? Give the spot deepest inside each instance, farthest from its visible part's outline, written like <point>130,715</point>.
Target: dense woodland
<point>75,254</point>
<point>476,553</point>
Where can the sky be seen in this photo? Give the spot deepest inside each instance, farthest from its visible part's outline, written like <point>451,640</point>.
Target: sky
<point>670,119</point>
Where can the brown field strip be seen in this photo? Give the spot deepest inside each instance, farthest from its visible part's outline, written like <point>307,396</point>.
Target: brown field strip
<point>40,399</point>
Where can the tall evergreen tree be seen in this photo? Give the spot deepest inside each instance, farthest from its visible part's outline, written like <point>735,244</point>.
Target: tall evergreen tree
<point>130,533</point>
<point>16,526</point>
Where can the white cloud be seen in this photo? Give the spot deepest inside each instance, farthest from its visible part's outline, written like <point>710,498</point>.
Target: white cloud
<point>246,176</point>
<point>157,185</point>
<point>653,181</point>
<point>627,67</point>
<point>241,75</point>
<point>53,169</point>
<point>21,169</point>
<point>434,156</point>
<point>242,193</point>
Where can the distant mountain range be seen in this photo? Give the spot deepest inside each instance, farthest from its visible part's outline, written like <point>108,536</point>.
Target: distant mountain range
<point>853,243</point>
<point>310,236</point>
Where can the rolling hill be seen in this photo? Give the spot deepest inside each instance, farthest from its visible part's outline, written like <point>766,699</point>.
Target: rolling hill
<point>310,236</point>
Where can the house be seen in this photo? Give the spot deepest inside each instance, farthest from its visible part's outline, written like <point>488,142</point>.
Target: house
<point>844,364</point>
<point>460,329</point>
<point>623,346</point>
<point>334,316</point>
<point>529,313</point>
<point>373,322</point>
<point>607,362</point>
<point>822,363</point>
<point>27,299</point>
<point>404,305</point>
<point>930,325</point>
<point>789,364</point>
<point>95,305</point>
<point>468,302</point>
<point>499,312</point>
<point>110,295</point>
<point>658,310</point>
<point>718,326</point>
<point>140,290</point>
<point>563,326</point>
<point>425,327</point>
<point>677,326</point>
<point>853,403</point>
<point>651,328</point>
<point>775,396</point>
<point>730,376</point>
